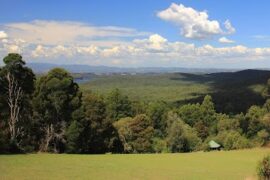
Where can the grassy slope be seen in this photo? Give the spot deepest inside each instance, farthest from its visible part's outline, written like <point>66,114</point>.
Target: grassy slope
<point>211,165</point>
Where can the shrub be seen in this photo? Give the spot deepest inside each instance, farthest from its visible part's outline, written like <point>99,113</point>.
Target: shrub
<point>232,140</point>
<point>159,145</point>
<point>264,168</point>
<point>182,138</point>
<point>263,137</point>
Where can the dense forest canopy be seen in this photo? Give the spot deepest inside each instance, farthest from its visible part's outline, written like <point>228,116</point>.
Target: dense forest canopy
<point>51,114</point>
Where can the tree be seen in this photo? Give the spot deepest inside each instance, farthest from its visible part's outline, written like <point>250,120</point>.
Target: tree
<point>136,134</point>
<point>208,111</point>
<point>254,116</point>
<point>125,133</point>
<point>181,137</point>
<point>263,136</point>
<point>157,111</point>
<point>98,135</point>
<point>142,133</point>
<point>232,140</point>
<point>191,113</point>
<point>56,98</point>
<point>202,129</point>
<point>266,91</point>
<point>118,105</point>
<point>202,117</point>
<point>225,123</point>
<point>73,138</point>
<point>16,88</point>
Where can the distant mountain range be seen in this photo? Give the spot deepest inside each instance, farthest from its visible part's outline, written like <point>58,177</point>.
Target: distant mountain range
<point>75,68</point>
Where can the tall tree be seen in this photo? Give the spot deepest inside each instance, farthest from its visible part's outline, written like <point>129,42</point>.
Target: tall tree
<point>56,99</point>
<point>98,134</point>
<point>118,105</point>
<point>157,111</point>
<point>16,87</point>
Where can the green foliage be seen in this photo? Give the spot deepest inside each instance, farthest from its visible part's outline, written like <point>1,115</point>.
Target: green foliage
<point>98,134</point>
<point>118,105</point>
<point>53,117</point>
<point>181,137</point>
<point>148,87</point>
<point>56,98</point>
<point>208,110</point>
<point>232,140</point>
<point>254,116</point>
<point>266,91</point>
<point>125,133</point>
<point>157,112</point>
<point>228,90</point>
<point>263,137</point>
<point>225,123</point>
<point>73,138</point>
<point>160,145</point>
<point>263,169</point>
<point>136,134</point>
<point>23,78</point>
<point>191,113</point>
<point>201,117</point>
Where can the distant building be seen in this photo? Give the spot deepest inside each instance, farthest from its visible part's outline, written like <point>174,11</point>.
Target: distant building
<point>214,145</point>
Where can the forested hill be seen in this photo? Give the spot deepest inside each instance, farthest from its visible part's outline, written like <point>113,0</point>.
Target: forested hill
<point>77,68</point>
<point>232,92</point>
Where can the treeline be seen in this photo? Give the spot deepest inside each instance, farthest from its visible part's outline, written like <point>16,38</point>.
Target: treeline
<point>50,114</point>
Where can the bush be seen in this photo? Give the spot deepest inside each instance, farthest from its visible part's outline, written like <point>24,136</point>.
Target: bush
<point>181,137</point>
<point>232,140</point>
<point>263,137</point>
<point>160,146</point>
<point>264,168</point>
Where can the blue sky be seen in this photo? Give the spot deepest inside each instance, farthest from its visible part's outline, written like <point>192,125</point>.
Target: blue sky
<point>181,35</point>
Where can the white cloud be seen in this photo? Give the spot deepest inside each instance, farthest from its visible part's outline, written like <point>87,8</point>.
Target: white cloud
<point>153,50</point>
<point>66,32</point>
<point>229,27</point>
<point>38,51</point>
<point>3,35</point>
<point>225,40</point>
<point>193,24</point>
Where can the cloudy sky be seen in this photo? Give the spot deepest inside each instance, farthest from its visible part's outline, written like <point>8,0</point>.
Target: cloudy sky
<point>186,33</point>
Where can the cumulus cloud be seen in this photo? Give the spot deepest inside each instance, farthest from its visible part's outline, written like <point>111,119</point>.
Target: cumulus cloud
<point>3,35</point>
<point>136,50</point>
<point>225,40</point>
<point>193,24</point>
<point>151,51</point>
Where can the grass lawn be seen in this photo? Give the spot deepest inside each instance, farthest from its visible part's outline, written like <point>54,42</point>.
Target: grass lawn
<point>200,165</point>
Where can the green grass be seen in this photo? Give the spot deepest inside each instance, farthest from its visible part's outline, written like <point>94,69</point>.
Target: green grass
<point>200,165</point>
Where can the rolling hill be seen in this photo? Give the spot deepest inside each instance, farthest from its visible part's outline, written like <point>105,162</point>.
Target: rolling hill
<point>232,91</point>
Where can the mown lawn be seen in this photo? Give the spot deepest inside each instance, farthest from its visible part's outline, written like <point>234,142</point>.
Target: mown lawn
<point>200,165</point>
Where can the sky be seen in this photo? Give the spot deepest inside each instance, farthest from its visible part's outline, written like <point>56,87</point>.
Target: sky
<point>141,33</point>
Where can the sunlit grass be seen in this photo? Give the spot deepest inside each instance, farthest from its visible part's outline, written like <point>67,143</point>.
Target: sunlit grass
<point>199,165</point>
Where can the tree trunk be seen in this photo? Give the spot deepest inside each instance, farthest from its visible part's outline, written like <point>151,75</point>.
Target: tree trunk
<point>48,137</point>
<point>14,97</point>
